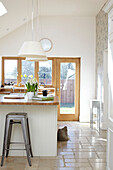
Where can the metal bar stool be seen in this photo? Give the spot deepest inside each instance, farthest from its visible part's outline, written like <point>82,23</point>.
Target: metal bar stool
<point>17,118</point>
<point>95,104</point>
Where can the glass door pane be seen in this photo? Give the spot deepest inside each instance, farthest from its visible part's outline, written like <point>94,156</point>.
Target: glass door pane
<point>67,88</point>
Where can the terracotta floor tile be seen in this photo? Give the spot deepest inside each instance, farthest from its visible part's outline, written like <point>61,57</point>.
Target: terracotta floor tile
<point>84,142</point>
<point>66,153</point>
<point>100,148</point>
<point>69,160</point>
<point>97,160</point>
<point>66,168</point>
<point>87,146</point>
<point>71,146</point>
<point>77,165</point>
<point>82,160</point>
<point>84,150</point>
<point>98,166</point>
<point>69,156</point>
<point>86,155</point>
<point>77,160</point>
<point>67,150</point>
<point>97,140</point>
<point>44,168</point>
<point>85,168</point>
<point>51,157</point>
<point>101,155</point>
<point>51,163</point>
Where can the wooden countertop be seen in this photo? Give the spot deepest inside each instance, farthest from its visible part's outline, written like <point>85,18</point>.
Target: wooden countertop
<point>5,92</point>
<point>27,102</point>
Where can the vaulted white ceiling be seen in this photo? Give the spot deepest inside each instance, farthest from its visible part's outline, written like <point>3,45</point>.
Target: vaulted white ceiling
<point>19,11</point>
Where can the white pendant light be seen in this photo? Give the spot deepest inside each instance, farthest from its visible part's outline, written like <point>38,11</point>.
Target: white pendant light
<point>37,59</point>
<point>32,49</point>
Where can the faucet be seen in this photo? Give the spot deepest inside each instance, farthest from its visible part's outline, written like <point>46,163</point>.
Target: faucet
<point>19,86</point>
<point>42,84</point>
<point>13,89</point>
<point>24,88</point>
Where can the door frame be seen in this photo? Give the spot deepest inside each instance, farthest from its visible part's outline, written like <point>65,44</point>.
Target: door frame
<point>69,117</point>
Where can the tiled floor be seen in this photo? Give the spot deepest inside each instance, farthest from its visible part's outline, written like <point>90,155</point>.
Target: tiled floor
<point>86,150</point>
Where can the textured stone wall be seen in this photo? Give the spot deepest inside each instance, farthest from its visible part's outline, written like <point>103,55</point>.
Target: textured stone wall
<point>101,45</point>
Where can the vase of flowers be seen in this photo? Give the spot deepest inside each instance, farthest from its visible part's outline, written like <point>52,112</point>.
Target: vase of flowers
<point>32,87</point>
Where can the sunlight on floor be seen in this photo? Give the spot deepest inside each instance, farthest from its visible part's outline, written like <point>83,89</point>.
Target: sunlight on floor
<point>86,150</point>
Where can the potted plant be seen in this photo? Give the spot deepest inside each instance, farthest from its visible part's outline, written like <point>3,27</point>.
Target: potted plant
<point>32,87</point>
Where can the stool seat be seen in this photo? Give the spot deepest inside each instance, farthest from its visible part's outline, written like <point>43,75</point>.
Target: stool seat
<point>16,118</point>
<point>16,115</point>
<point>95,104</point>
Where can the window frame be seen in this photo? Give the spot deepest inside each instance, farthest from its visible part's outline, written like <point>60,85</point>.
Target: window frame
<point>36,70</point>
<point>18,68</point>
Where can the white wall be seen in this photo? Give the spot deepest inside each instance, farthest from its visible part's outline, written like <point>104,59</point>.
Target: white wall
<point>71,36</point>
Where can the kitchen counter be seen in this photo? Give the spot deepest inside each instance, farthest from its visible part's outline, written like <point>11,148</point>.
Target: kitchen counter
<point>5,92</point>
<point>27,102</point>
<point>42,117</point>
<point>13,89</point>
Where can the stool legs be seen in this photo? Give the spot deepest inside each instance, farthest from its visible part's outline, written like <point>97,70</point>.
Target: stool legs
<point>91,118</point>
<point>9,138</point>
<point>9,121</point>
<point>25,135</point>
<point>29,138</point>
<point>98,119</point>
<point>5,140</point>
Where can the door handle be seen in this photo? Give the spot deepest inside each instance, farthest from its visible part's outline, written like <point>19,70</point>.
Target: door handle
<point>57,89</point>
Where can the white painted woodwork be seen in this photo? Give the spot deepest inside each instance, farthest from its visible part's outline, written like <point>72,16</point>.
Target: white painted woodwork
<point>43,129</point>
<point>109,8</point>
<point>105,100</point>
<point>110,22</point>
<point>110,150</point>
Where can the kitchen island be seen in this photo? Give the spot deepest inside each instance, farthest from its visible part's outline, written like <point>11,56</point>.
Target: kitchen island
<point>42,117</point>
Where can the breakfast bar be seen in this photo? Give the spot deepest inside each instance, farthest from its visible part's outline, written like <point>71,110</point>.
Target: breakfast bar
<point>42,117</point>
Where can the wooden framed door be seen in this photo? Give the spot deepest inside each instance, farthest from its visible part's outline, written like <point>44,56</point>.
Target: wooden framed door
<point>68,88</point>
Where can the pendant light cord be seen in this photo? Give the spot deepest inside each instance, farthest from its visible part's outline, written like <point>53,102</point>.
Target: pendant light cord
<point>32,21</point>
<point>37,20</point>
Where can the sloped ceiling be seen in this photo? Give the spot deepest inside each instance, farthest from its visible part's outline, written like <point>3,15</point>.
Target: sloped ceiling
<point>19,11</point>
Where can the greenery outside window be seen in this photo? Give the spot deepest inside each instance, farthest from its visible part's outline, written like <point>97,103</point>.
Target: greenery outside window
<point>17,70</point>
<point>28,68</point>
<point>45,72</point>
<point>10,71</point>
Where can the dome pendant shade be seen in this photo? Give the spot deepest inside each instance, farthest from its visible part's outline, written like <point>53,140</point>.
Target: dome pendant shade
<point>37,59</point>
<point>32,49</point>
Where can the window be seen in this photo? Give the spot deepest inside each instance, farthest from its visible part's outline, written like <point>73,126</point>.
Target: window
<point>45,72</point>
<point>2,9</point>
<point>18,70</point>
<point>28,68</point>
<point>10,71</point>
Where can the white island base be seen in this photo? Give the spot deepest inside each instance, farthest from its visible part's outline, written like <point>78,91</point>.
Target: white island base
<point>43,129</point>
